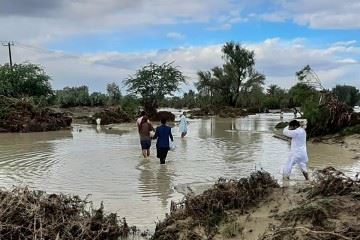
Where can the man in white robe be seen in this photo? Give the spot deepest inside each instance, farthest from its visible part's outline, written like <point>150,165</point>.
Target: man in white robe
<point>298,153</point>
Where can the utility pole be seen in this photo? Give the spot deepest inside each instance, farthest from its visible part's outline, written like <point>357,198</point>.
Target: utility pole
<point>9,44</point>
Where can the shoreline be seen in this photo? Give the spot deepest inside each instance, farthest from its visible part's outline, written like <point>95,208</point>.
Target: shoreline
<point>317,209</point>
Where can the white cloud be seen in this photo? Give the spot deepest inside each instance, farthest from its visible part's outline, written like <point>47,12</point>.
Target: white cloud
<point>276,58</point>
<point>225,26</point>
<point>42,22</point>
<point>348,61</point>
<point>175,35</point>
<point>273,17</point>
<point>320,14</point>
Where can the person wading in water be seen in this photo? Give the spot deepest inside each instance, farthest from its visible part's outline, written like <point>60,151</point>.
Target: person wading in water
<point>145,128</point>
<point>183,125</point>
<point>298,153</point>
<point>162,134</point>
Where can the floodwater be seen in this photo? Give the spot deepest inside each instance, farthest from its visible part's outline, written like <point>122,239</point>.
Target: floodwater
<point>108,165</point>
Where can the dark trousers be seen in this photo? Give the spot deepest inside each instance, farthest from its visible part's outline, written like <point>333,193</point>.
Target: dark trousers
<point>162,153</point>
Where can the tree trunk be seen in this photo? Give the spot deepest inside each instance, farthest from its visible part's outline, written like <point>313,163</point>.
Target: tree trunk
<point>150,107</point>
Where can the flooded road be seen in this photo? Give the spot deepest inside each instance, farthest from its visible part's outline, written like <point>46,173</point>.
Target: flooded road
<point>108,163</point>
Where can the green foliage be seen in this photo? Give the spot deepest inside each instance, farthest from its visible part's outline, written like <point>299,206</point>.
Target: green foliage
<point>302,93</point>
<point>73,96</point>
<point>130,104</point>
<point>114,93</point>
<point>348,94</point>
<point>351,130</point>
<point>188,100</point>
<point>276,98</point>
<point>98,99</point>
<point>316,116</point>
<point>153,82</point>
<point>234,82</point>
<point>24,80</point>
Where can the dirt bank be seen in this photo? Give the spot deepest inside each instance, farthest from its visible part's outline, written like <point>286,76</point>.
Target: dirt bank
<point>326,208</point>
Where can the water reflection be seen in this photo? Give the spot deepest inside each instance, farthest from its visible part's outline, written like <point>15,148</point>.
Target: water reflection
<point>155,180</point>
<point>27,156</point>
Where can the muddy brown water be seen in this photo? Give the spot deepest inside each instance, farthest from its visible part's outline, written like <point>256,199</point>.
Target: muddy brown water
<point>106,163</point>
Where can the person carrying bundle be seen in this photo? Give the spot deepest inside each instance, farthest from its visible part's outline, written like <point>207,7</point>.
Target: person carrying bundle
<point>298,153</point>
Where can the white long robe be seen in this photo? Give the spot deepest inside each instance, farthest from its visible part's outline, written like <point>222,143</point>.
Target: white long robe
<point>183,124</point>
<point>298,153</point>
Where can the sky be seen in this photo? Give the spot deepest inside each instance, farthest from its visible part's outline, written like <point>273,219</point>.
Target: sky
<point>93,42</point>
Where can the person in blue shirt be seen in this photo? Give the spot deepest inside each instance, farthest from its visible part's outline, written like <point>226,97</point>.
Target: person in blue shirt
<point>162,134</point>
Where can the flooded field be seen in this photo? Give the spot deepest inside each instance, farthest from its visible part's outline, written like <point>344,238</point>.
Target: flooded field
<point>107,163</point>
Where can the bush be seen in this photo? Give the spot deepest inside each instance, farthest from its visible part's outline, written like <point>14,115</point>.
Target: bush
<point>24,80</point>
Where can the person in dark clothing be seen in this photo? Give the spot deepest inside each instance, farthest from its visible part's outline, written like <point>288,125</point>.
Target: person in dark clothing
<point>162,134</point>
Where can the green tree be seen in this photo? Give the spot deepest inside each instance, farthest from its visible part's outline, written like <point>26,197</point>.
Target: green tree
<point>276,97</point>
<point>234,80</point>
<point>153,83</point>
<point>98,99</point>
<point>239,70</point>
<point>189,99</point>
<point>130,104</point>
<point>348,94</point>
<point>73,97</point>
<point>24,80</point>
<point>302,93</point>
<point>114,93</point>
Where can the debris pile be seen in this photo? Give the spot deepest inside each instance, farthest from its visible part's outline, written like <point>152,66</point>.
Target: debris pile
<point>229,112</point>
<point>331,210</point>
<point>26,214</point>
<point>170,117</point>
<point>22,116</point>
<point>197,217</point>
<point>110,116</point>
<point>330,117</point>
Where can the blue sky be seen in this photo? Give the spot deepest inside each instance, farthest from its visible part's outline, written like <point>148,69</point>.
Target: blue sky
<point>84,42</point>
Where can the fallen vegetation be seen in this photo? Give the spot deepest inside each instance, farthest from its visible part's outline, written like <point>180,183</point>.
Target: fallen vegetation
<point>23,116</point>
<point>229,112</point>
<point>26,214</point>
<point>330,210</point>
<point>223,112</point>
<point>110,116</point>
<point>257,208</point>
<point>198,217</point>
<point>331,117</point>
<point>169,116</point>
